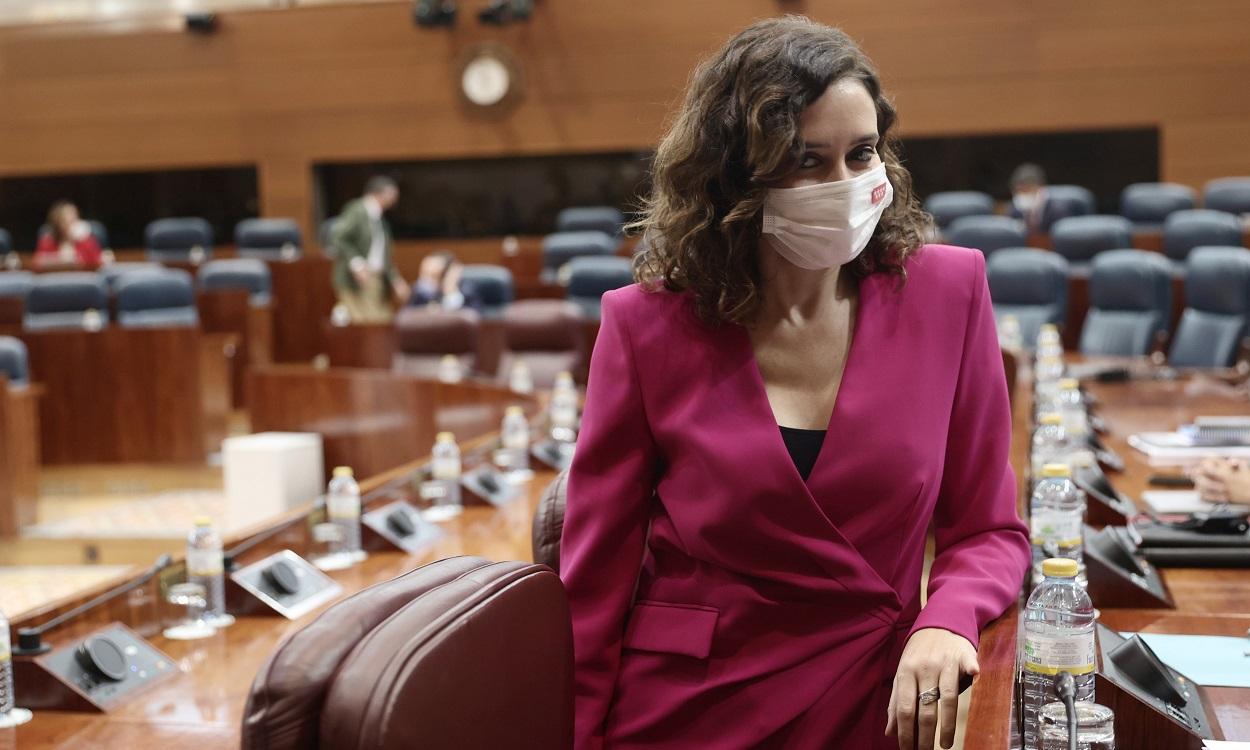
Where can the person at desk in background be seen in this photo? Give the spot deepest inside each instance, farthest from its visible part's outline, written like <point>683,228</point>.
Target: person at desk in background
<point>1029,201</point>
<point>68,241</point>
<point>793,393</point>
<point>1223,480</point>
<point>439,282</point>
<point>365,277</point>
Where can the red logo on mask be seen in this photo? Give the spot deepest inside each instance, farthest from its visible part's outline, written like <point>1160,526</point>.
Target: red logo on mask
<point>878,193</point>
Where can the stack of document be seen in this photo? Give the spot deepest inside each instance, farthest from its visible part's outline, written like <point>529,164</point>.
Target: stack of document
<point>1181,449</point>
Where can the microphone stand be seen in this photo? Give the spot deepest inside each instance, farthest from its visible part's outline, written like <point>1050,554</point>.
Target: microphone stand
<point>1065,688</point>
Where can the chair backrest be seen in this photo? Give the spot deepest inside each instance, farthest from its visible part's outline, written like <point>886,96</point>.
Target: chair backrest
<point>1217,296</point>
<point>606,219</point>
<point>548,526</point>
<point>248,274</point>
<point>59,300</point>
<point>545,334</point>
<point>1080,238</point>
<point>424,335</point>
<point>949,205</point>
<point>1150,203</point>
<point>1031,285</point>
<point>1231,194</point>
<point>267,239</point>
<point>6,242</point>
<point>152,300</point>
<point>14,361</point>
<point>591,276</point>
<point>284,705</point>
<point>484,661</point>
<point>1185,230</point>
<point>1074,199</point>
<point>174,239</point>
<point>15,283</point>
<point>114,272</point>
<point>492,284</point>
<point>561,247</point>
<point>1130,303</point>
<point>986,233</point>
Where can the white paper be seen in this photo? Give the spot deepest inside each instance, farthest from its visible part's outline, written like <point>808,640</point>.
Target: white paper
<point>1225,745</point>
<point>1179,501</point>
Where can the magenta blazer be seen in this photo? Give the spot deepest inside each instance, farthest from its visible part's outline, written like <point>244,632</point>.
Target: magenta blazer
<point>718,600</point>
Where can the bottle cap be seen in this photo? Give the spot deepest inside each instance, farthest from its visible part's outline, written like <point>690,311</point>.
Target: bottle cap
<point>1056,470</point>
<point>1069,384</point>
<point>1050,417</point>
<point>564,377</point>
<point>342,471</point>
<point>512,411</point>
<point>445,437</point>
<point>203,521</point>
<point>1059,567</point>
<point>450,359</point>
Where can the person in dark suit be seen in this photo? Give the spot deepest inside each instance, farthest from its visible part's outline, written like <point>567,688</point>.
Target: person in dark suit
<point>440,283</point>
<point>1030,202</point>
<point>365,277</point>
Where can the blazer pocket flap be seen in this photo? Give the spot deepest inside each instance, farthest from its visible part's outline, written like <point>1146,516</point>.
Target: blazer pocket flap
<point>684,629</point>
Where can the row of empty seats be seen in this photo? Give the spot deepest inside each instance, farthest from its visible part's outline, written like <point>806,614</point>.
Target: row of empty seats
<point>145,294</point>
<point>1130,295</point>
<point>189,238</point>
<point>1145,204</point>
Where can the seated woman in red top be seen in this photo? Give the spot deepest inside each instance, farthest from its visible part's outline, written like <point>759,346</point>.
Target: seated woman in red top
<point>793,394</point>
<point>68,241</point>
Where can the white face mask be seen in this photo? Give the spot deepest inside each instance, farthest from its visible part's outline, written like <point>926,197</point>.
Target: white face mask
<point>821,226</point>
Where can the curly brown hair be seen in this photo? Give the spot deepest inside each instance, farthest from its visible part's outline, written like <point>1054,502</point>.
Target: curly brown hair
<point>738,132</point>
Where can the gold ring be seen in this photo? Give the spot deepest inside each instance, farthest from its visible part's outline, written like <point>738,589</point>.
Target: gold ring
<point>929,696</point>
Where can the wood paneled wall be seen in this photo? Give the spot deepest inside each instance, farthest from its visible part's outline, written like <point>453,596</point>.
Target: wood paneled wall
<point>286,88</point>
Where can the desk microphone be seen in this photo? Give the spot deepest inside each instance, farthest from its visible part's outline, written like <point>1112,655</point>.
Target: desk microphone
<point>1065,688</point>
<point>30,641</point>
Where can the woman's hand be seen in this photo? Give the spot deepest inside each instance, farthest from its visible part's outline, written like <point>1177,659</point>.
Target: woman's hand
<point>933,658</point>
<point>1220,480</point>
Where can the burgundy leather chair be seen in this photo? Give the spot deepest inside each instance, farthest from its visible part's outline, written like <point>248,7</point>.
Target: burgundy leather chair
<point>459,653</point>
<point>423,336</point>
<point>549,522</point>
<point>546,334</point>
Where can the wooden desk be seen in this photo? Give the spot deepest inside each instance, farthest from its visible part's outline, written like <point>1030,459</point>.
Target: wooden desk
<point>360,344</point>
<point>1208,601</point>
<point>130,394</point>
<point>19,455</point>
<point>302,298</point>
<point>230,311</point>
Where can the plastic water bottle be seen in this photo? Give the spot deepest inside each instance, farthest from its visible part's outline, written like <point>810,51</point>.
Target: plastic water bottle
<point>1010,336</point>
<point>1049,343</point>
<point>515,437</point>
<point>343,509</point>
<point>1058,637</point>
<point>445,476</point>
<point>1050,444</point>
<point>519,379</point>
<point>1070,403</point>
<point>7,703</point>
<point>562,411</point>
<point>206,567</point>
<point>1056,518</point>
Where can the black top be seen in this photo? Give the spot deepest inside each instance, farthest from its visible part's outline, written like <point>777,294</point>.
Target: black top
<point>804,446</point>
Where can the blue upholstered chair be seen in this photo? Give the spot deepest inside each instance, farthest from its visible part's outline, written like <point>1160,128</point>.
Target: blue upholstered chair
<point>175,240</point>
<point>1075,200</point>
<point>1148,204</point>
<point>491,284</point>
<point>606,219</point>
<point>561,247</point>
<point>248,274</point>
<point>1079,238</point>
<point>1031,285</point>
<point>156,300</point>
<point>15,283</point>
<point>268,239</point>
<point>113,272</point>
<point>62,300</point>
<point>986,233</point>
<point>947,206</point>
<point>1230,194</point>
<point>1217,299</point>
<point>1130,293</point>
<point>591,276</point>
<point>1185,230</point>
<point>14,362</point>
<point>6,242</point>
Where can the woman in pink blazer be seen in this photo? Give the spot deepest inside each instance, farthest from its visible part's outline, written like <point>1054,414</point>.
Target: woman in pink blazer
<point>794,393</point>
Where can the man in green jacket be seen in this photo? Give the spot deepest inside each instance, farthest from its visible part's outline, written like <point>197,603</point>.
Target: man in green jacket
<point>365,277</point>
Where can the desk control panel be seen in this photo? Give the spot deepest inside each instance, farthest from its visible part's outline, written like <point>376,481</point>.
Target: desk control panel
<point>401,525</point>
<point>1132,678</point>
<point>107,666</point>
<point>287,584</point>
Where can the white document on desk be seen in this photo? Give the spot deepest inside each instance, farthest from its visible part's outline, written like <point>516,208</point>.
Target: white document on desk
<point>1175,449</point>
<point>1180,501</point>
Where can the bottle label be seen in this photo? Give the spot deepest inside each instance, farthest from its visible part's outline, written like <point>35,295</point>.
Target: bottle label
<point>1056,527</point>
<point>204,562</point>
<point>1046,653</point>
<point>343,507</point>
<point>446,469</point>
